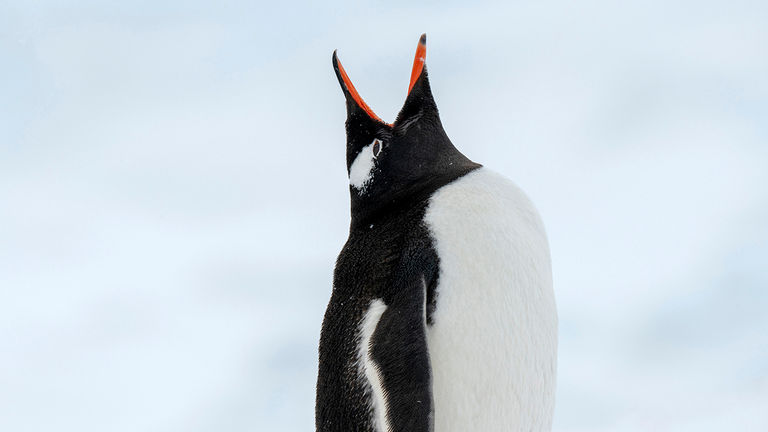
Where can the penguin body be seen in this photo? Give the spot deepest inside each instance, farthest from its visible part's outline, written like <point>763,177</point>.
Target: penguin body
<point>493,339</point>
<point>442,316</point>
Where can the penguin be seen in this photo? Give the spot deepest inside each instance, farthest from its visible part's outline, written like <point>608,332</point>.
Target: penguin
<point>442,314</point>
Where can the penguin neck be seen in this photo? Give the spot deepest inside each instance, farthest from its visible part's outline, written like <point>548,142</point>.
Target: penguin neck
<point>369,209</point>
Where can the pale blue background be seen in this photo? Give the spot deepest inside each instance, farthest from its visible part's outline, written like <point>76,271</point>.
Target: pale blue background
<point>173,195</point>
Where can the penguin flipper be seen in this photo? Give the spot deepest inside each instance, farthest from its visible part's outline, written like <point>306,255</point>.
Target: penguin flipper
<point>399,349</point>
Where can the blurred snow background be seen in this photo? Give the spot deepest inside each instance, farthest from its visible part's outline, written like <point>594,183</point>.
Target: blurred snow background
<point>173,195</point>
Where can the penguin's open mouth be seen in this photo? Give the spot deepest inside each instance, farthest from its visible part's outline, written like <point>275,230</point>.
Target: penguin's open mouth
<point>418,67</point>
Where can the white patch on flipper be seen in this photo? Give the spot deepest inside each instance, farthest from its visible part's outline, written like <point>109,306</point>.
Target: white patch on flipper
<point>368,368</point>
<point>493,341</point>
<point>361,170</point>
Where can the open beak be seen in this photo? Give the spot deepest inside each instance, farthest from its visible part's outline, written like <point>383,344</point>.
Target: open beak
<point>416,71</point>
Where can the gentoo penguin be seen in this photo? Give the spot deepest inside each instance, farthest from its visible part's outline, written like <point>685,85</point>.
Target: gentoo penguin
<point>442,316</point>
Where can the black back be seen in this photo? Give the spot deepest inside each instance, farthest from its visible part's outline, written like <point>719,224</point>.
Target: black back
<point>389,255</point>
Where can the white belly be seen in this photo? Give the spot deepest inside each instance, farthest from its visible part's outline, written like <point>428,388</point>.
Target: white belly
<point>493,342</point>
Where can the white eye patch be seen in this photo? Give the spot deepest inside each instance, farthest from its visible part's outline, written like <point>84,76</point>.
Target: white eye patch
<point>361,171</point>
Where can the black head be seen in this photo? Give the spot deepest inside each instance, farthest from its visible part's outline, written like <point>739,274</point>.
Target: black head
<point>392,165</point>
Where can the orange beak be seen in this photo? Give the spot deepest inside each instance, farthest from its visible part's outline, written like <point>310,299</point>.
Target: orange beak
<point>416,71</point>
<point>418,61</point>
<point>353,92</point>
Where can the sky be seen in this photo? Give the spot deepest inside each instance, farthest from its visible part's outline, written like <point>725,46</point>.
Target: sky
<point>173,196</point>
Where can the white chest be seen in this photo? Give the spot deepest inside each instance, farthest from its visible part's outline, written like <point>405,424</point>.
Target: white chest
<point>493,343</point>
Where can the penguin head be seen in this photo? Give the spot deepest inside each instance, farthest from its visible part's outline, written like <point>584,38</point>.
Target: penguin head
<point>391,164</point>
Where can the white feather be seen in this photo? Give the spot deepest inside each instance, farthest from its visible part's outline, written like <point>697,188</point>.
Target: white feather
<point>361,170</point>
<point>368,368</point>
<point>493,344</point>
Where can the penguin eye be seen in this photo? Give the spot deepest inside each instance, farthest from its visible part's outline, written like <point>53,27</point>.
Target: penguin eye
<point>376,147</point>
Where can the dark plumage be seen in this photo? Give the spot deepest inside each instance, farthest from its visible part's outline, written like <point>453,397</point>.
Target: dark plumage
<point>389,255</point>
